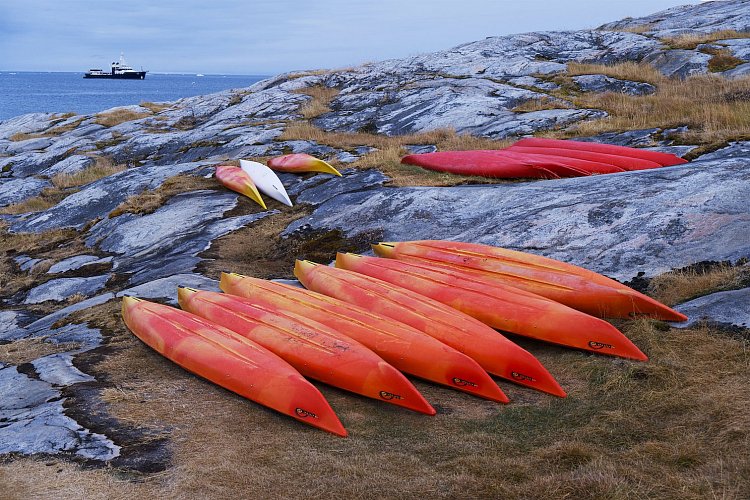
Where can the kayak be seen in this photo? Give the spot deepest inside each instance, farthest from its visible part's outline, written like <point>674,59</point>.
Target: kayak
<point>492,351</point>
<point>405,348</point>
<point>237,180</point>
<point>230,361</point>
<point>500,306</point>
<point>663,159</point>
<point>301,162</point>
<point>568,284</point>
<point>623,162</point>
<point>508,164</point>
<point>315,350</point>
<point>266,181</point>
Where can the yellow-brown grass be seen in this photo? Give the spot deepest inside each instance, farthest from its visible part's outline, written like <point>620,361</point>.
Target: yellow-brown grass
<point>674,427</point>
<point>47,199</point>
<point>148,201</point>
<point>391,149</point>
<point>27,350</point>
<point>321,98</point>
<point>117,117</point>
<point>102,167</point>
<point>680,286</point>
<point>691,41</point>
<point>637,72</point>
<point>53,131</point>
<point>541,104</point>
<point>155,107</point>
<point>715,109</point>
<point>637,29</point>
<point>722,60</point>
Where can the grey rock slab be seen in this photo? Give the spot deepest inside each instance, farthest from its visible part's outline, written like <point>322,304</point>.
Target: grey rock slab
<point>603,83</point>
<point>724,308</point>
<point>36,144</point>
<point>33,421</point>
<point>675,150</point>
<point>25,124</point>
<point>101,197</point>
<point>739,47</point>
<point>705,17</point>
<point>738,72</point>
<point>77,262</point>
<point>166,288</point>
<point>647,221</point>
<point>16,190</point>
<point>739,149</point>
<point>420,148</point>
<point>26,263</point>
<point>631,138</point>
<point>168,240</point>
<point>679,63</point>
<point>62,288</point>
<point>331,186</point>
<point>42,325</point>
<point>58,369</point>
<point>70,165</point>
<point>11,320</point>
<point>86,337</point>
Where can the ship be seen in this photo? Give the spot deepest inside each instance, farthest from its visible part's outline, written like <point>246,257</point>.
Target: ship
<point>119,71</point>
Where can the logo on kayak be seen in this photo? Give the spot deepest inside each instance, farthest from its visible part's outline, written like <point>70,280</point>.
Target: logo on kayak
<point>521,376</point>
<point>389,395</point>
<point>599,345</point>
<point>463,383</point>
<point>304,413</point>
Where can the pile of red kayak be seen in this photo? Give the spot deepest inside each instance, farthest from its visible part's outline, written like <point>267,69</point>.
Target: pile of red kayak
<point>436,310</point>
<point>537,158</point>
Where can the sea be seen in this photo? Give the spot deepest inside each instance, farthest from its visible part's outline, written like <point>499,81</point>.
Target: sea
<point>30,92</point>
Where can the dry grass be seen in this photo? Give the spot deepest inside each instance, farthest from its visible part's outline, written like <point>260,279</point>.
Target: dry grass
<point>682,285</point>
<point>148,201</point>
<point>102,167</point>
<point>715,109</point>
<point>120,116</point>
<point>27,350</point>
<point>391,149</point>
<point>629,70</point>
<point>541,105</point>
<point>46,199</point>
<point>54,131</point>
<point>722,60</point>
<point>638,29</point>
<point>674,427</point>
<point>691,41</point>
<point>321,98</point>
<point>155,107</point>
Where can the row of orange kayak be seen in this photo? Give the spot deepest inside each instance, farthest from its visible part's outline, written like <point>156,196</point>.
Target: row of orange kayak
<point>430,309</point>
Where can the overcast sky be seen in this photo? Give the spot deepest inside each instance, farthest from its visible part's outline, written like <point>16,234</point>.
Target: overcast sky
<point>267,37</point>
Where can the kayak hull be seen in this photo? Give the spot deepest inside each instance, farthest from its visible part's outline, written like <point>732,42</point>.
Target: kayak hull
<point>492,351</point>
<point>568,284</point>
<point>663,159</point>
<point>230,361</point>
<point>317,351</point>
<point>500,306</point>
<point>405,348</point>
<point>301,163</point>
<point>266,181</point>
<point>237,180</point>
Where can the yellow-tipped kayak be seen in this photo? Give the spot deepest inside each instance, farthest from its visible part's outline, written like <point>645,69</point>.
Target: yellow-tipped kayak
<point>301,162</point>
<point>237,180</point>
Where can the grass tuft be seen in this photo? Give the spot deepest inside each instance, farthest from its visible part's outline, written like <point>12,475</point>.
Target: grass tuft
<point>686,284</point>
<point>319,103</point>
<point>117,117</point>
<point>149,201</point>
<point>103,167</point>
<point>692,40</point>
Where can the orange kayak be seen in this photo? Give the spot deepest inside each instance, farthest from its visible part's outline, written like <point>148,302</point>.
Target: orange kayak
<point>571,285</point>
<point>500,306</point>
<point>318,352</point>
<point>407,349</point>
<point>301,162</point>
<point>229,360</point>
<point>492,351</point>
<point>237,180</point>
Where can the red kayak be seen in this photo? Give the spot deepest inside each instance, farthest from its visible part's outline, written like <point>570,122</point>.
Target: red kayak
<point>623,162</point>
<point>663,159</point>
<point>508,164</point>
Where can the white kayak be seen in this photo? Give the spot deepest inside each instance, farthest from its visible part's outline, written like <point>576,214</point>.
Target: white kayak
<point>266,181</point>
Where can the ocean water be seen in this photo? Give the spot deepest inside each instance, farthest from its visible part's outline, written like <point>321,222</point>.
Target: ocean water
<point>29,92</point>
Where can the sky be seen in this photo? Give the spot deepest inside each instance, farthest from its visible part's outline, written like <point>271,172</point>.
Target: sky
<point>268,37</point>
